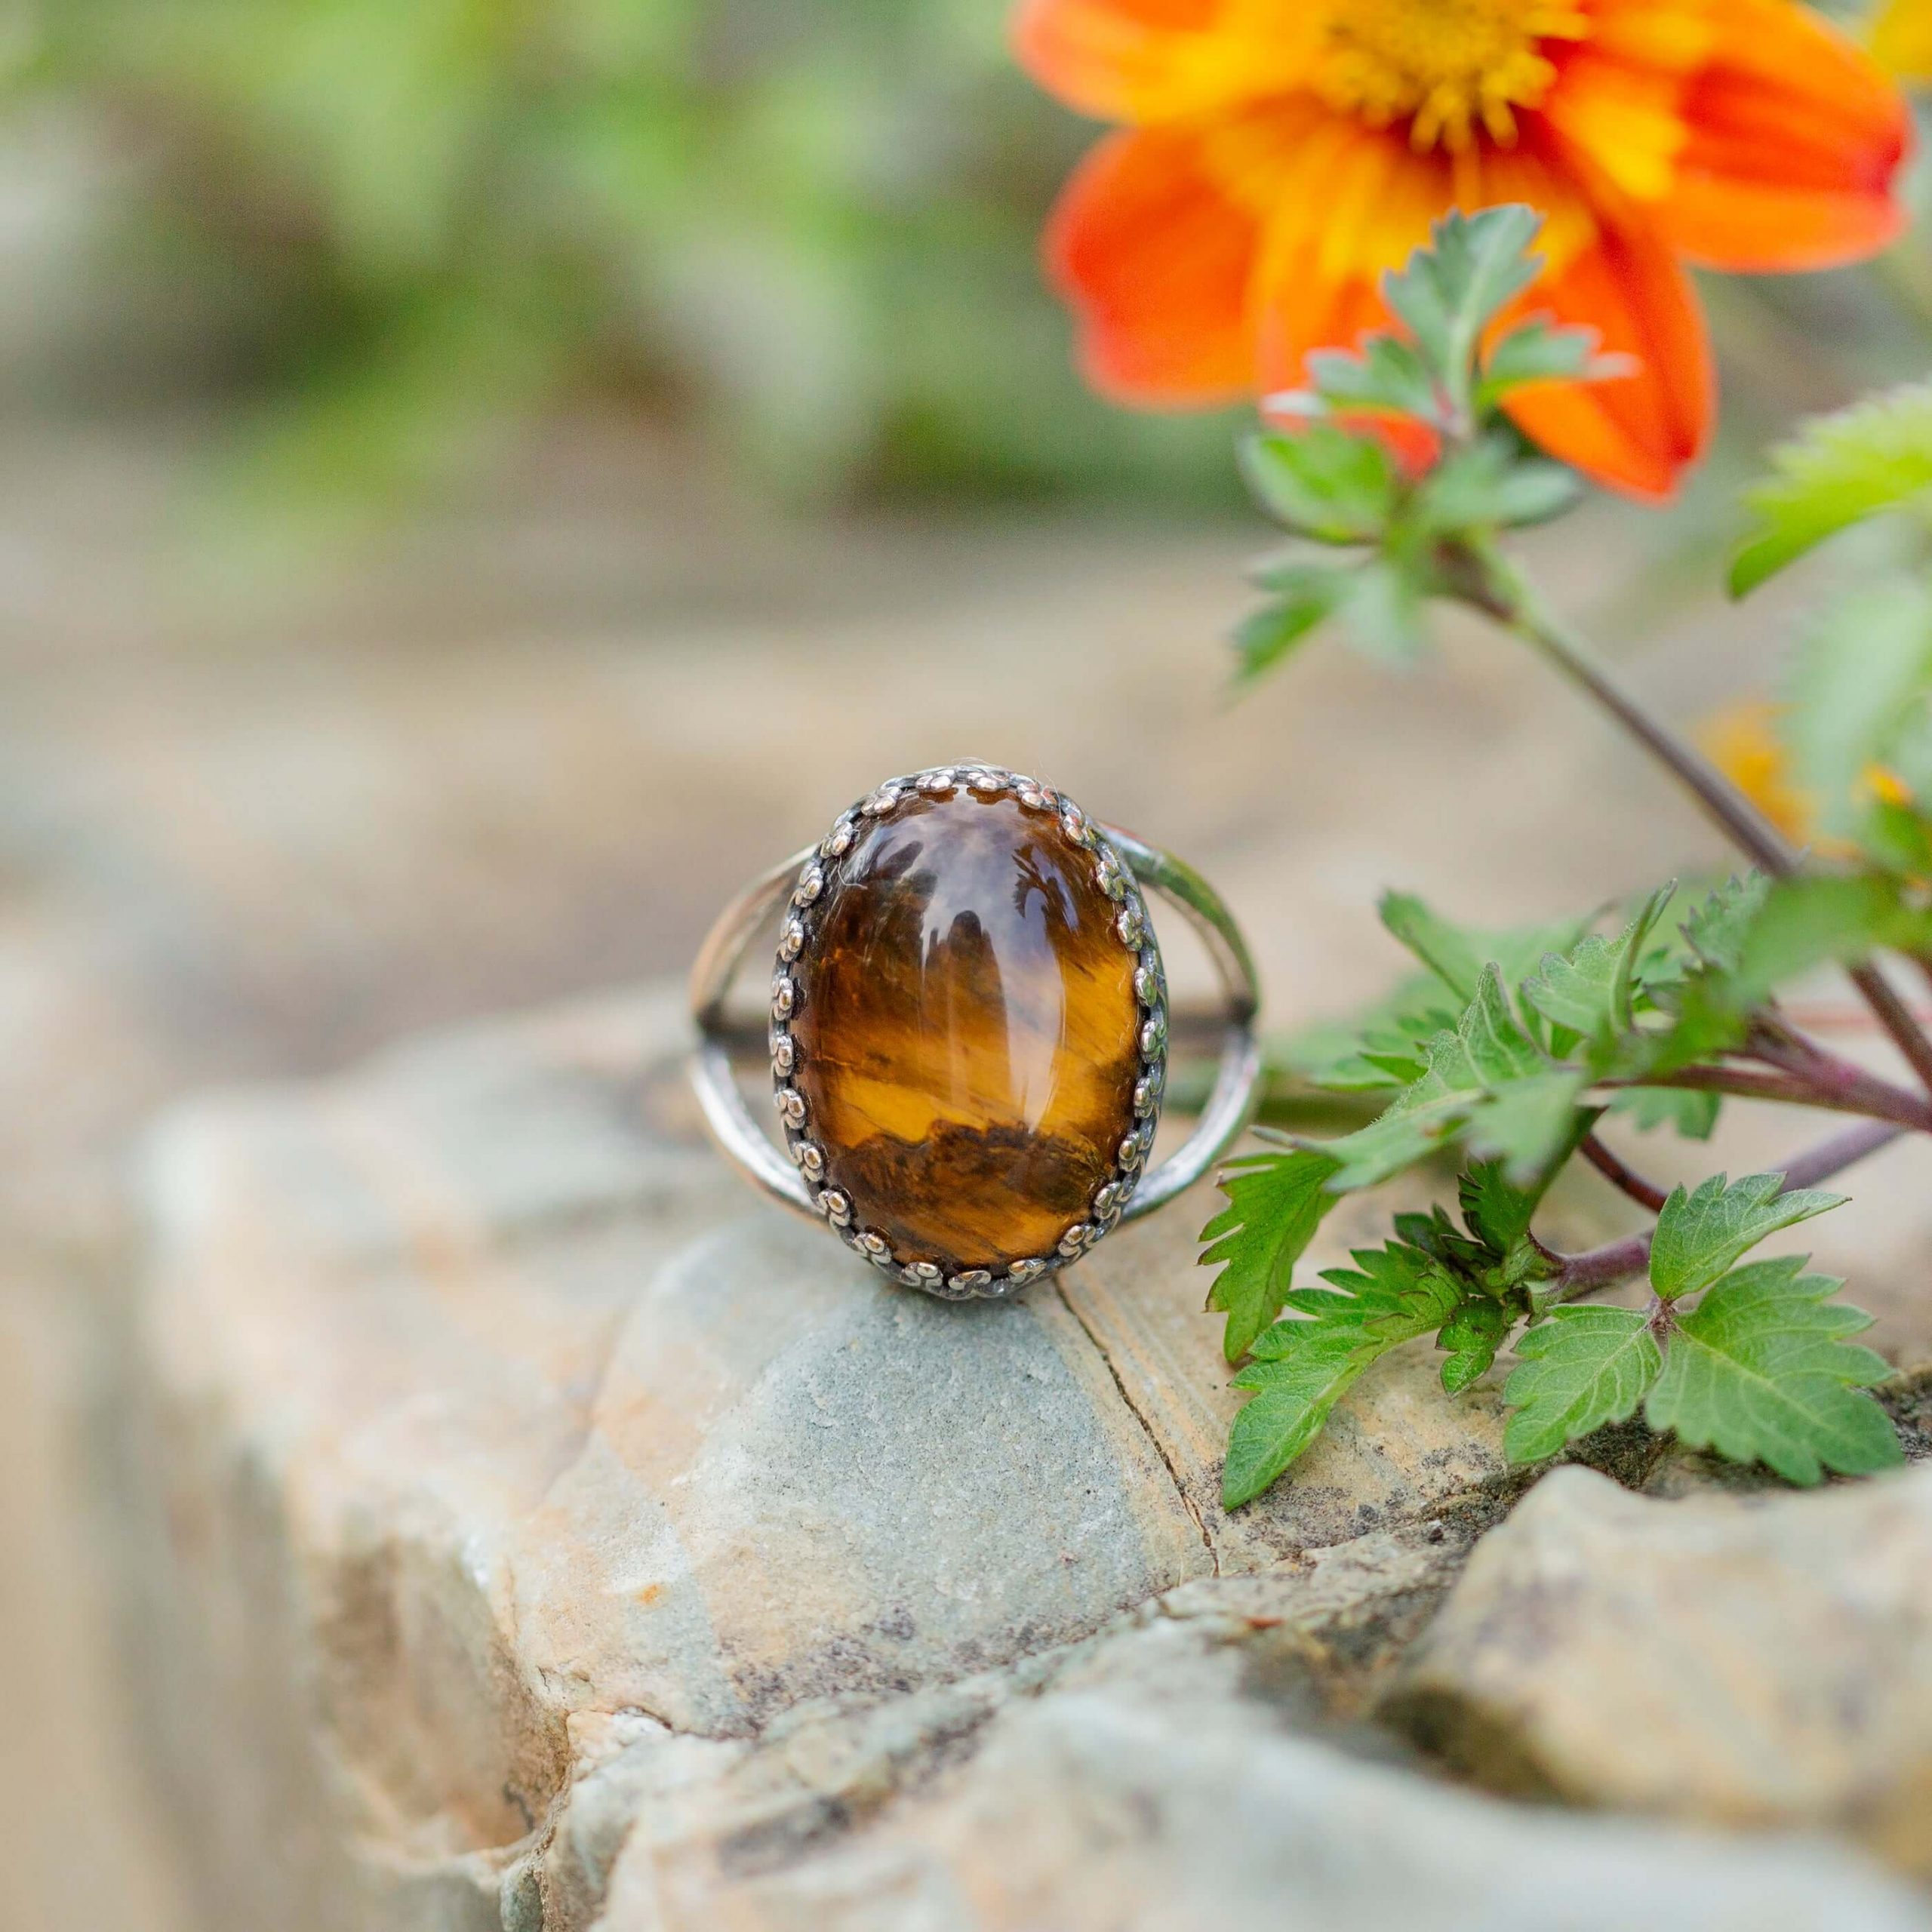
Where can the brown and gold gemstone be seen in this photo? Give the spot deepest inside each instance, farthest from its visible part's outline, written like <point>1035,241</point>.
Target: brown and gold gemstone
<point>967,1036</point>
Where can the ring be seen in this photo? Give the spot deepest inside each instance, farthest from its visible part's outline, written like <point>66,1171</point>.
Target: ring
<point>969,1030</point>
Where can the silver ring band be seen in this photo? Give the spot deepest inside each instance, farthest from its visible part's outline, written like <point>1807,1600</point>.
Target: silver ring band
<point>1225,1113</point>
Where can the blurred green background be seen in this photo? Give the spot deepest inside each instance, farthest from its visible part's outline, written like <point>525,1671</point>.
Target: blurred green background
<point>807,231</point>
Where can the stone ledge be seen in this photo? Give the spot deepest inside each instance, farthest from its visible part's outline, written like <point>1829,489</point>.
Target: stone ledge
<point>547,1534</point>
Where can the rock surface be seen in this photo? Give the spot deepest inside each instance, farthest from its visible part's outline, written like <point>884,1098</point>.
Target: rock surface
<point>1752,1660</point>
<point>545,1534</point>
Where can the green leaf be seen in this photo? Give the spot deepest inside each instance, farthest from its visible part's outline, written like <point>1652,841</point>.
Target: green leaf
<point>1276,1201</point>
<point>1861,679</point>
<point>1305,1365</point>
<point>1388,374</point>
<point>1391,1293</point>
<point>1493,484</point>
<point>1325,482</point>
<point>1717,930</point>
<point>1581,1368</point>
<point>1267,635</point>
<point>1761,1372</point>
<point>1592,991</point>
<point>1450,292</point>
<point>1497,1211</point>
<point>1383,610</point>
<point>1818,919</point>
<point>1386,1046</point>
<point>1488,1084</point>
<point>1457,954</point>
<point>1537,351</point>
<point>1470,1338</point>
<point>1700,1236</point>
<point>1875,456</point>
<point>1293,1398</point>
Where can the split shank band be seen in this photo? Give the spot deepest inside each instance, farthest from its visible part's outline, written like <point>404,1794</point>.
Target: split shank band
<point>970,885</point>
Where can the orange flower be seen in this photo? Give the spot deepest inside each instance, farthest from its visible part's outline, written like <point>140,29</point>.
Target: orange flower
<point>1280,155</point>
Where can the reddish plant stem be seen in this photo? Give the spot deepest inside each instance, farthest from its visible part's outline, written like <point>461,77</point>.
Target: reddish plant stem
<point>1486,580</point>
<point>1847,1089</point>
<point>1599,1267</point>
<point>1620,1175</point>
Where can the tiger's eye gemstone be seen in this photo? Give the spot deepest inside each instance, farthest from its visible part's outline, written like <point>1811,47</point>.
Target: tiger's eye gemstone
<point>967,1037</point>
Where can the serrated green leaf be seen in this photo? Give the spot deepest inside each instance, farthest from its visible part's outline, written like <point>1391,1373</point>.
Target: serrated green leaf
<point>1264,637</point>
<point>1761,1372</point>
<point>1592,990</point>
<point>1391,1293</point>
<point>1488,1084</point>
<point>1497,1211</point>
<point>1276,1201</point>
<point>1537,351</point>
<point>1324,482</point>
<point>1701,1235</point>
<point>1470,1338</point>
<point>1716,932</point>
<point>1839,469</point>
<point>1528,1125</point>
<point>1449,292</point>
<point>1385,1047</point>
<point>1386,374</point>
<point>1860,682</point>
<point>1457,954</point>
<point>1580,1369</point>
<point>1818,919</point>
<point>1292,1398</point>
<point>1304,1365</point>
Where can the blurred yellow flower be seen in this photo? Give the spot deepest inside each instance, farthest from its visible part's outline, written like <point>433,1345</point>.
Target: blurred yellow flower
<point>1901,38</point>
<point>1743,743</point>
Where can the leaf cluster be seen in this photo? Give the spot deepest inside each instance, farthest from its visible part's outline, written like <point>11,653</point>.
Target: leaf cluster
<point>1759,1369</point>
<point>1857,728</point>
<point>1501,1056</point>
<point>1400,450</point>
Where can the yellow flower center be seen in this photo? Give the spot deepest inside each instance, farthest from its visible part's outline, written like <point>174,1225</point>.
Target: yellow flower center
<point>1450,68</point>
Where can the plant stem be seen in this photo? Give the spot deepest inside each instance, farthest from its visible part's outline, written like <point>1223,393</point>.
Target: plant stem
<point>1600,1266</point>
<point>1848,1090</point>
<point>1502,593</point>
<point>1486,579</point>
<point>1620,1175</point>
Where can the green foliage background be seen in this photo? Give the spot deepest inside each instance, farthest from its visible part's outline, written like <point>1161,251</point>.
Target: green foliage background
<point>814,227</point>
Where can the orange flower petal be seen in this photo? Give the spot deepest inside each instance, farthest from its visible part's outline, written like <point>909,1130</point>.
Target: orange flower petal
<point>1152,60</point>
<point>1155,258</point>
<point>1766,139</point>
<point>1611,270</point>
<point>1347,204</point>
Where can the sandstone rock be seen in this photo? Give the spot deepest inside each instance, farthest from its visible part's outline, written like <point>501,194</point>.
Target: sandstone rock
<point>546,1534</point>
<point>1749,1660</point>
<point>1395,1451</point>
<point>1124,1806</point>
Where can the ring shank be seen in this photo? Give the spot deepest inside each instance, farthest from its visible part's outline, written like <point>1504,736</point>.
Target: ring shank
<point>1229,1104</point>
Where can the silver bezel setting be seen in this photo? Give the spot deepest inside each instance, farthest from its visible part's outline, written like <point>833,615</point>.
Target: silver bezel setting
<point>817,882</point>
